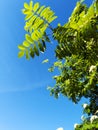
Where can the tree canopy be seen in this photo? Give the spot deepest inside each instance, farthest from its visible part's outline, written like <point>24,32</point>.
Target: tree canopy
<point>77,54</point>
<point>76,51</point>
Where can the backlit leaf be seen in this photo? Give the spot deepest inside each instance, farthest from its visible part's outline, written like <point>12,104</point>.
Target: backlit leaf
<point>26,44</point>
<point>25,11</point>
<point>20,54</point>
<point>40,9</point>
<point>34,36</point>
<point>26,5</point>
<point>31,4</point>
<point>36,22</point>
<point>21,47</point>
<point>28,38</point>
<point>28,16</point>
<point>36,6</point>
<point>27,55</point>
<point>53,18</point>
<point>45,61</point>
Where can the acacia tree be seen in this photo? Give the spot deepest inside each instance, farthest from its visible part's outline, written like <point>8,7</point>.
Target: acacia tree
<point>76,52</point>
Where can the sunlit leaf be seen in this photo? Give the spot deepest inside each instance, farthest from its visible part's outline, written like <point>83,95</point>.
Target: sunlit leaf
<point>51,69</point>
<point>26,44</point>
<point>45,61</point>
<point>34,36</point>
<point>36,6</point>
<point>32,52</point>
<point>25,11</point>
<point>31,4</point>
<point>40,9</point>
<point>53,18</point>
<point>28,16</point>
<point>28,38</point>
<point>45,10</point>
<point>21,47</point>
<point>36,22</point>
<point>26,5</point>
<point>20,54</point>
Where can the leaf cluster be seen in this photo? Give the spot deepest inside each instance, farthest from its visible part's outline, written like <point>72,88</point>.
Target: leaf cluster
<point>37,20</point>
<point>87,125</point>
<point>77,51</point>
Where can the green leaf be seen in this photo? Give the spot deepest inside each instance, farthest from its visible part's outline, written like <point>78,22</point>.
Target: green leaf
<point>36,23</point>
<point>96,6</point>
<point>36,6</point>
<point>38,34</point>
<point>52,18</point>
<point>27,55</point>
<point>43,29</point>
<point>25,11</point>
<point>45,61</point>
<point>40,9</point>
<point>34,36</point>
<point>41,47</point>
<point>26,44</point>
<point>36,50</point>
<point>44,45</point>
<point>20,54</point>
<point>46,37</point>
<point>28,38</point>
<point>32,52</point>
<point>31,4</point>
<point>21,47</point>
<point>48,14</point>
<point>26,6</point>
<point>44,11</point>
<point>58,64</point>
<point>91,11</point>
<point>40,24</point>
<point>51,69</point>
<point>28,16</point>
<point>32,20</point>
<point>59,24</point>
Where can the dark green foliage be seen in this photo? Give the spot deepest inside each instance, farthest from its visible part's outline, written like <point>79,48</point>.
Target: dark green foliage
<point>77,51</point>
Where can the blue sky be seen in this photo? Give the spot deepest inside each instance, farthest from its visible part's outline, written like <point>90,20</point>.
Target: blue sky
<point>25,103</point>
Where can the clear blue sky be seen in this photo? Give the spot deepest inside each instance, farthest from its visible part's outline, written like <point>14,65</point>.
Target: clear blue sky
<point>25,103</point>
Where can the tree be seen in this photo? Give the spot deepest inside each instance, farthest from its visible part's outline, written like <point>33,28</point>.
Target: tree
<point>76,52</point>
